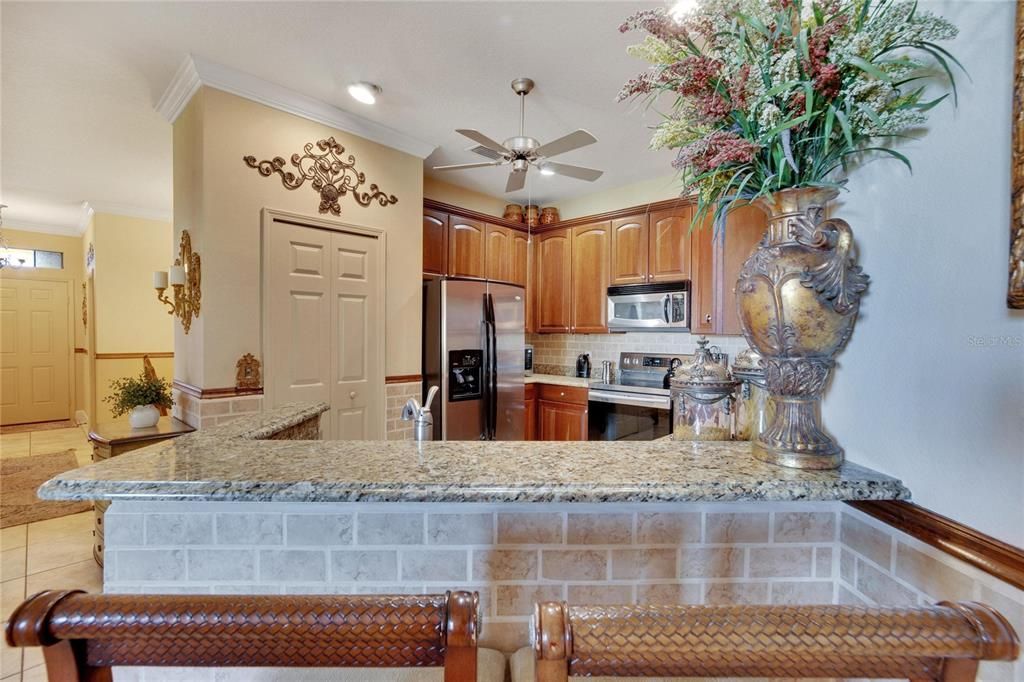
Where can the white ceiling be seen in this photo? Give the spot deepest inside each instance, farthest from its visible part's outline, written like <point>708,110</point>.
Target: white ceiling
<point>80,81</point>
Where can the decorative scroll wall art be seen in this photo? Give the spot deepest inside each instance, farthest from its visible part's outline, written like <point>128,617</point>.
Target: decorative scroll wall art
<point>247,374</point>
<point>1015,293</point>
<point>85,306</point>
<point>329,174</point>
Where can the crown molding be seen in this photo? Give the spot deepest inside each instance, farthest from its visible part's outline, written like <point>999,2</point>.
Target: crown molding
<point>196,71</point>
<point>44,228</point>
<point>130,211</point>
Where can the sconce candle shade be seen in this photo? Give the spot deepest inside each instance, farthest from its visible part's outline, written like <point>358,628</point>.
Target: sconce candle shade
<point>177,277</point>
<point>159,280</point>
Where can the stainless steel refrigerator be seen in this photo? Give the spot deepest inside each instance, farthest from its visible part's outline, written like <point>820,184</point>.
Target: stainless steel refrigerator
<point>473,345</point>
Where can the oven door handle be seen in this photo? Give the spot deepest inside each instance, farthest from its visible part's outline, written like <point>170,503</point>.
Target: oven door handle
<point>634,400</point>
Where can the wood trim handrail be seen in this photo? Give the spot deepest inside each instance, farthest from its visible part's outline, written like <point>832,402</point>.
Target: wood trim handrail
<point>84,635</point>
<point>941,642</point>
<point>209,393</point>
<point>995,557</point>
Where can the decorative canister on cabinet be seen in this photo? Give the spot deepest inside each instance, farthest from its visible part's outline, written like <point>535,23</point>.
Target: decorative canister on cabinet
<point>548,215</point>
<point>513,212</point>
<point>702,399</point>
<point>532,215</point>
<point>753,403</point>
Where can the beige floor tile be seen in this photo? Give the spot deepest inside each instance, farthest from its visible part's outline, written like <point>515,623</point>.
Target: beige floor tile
<point>84,575</point>
<point>12,592</point>
<point>15,444</point>
<point>36,674</point>
<point>14,536</point>
<point>57,440</point>
<point>12,563</point>
<point>69,550</point>
<point>52,530</point>
<point>32,657</point>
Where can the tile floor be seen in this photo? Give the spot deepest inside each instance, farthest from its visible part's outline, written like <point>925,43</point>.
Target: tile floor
<point>45,554</point>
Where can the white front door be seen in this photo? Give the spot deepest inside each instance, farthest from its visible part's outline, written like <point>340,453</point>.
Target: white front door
<point>324,325</point>
<point>35,351</point>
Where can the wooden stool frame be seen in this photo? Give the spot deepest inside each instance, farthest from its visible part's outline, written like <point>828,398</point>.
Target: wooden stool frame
<point>942,643</point>
<point>84,635</point>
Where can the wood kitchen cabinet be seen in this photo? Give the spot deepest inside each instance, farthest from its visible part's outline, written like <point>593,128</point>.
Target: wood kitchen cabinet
<point>553,305</point>
<point>435,242</point>
<point>520,258</point>
<point>498,253</point>
<point>530,412</point>
<point>703,294</point>
<point>561,412</point>
<point>669,245</point>
<point>590,254</point>
<point>630,243</point>
<point>744,228</point>
<point>467,246</point>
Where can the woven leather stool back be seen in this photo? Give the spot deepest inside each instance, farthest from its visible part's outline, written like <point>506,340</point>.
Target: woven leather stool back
<point>84,635</point>
<point>943,642</point>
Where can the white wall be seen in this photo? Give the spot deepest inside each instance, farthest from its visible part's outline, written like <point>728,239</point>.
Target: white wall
<point>916,395</point>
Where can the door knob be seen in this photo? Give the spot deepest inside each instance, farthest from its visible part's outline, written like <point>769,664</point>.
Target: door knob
<point>352,394</point>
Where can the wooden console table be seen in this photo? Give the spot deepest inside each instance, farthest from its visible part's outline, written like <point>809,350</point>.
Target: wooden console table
<point>116,438</point>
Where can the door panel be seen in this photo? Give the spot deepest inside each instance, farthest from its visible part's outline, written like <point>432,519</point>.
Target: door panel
<point>435,242</point>
<point>466,248</point>
<point>591,259</point>
<point>669,256</point>
<point>744,228</point>
<point>704,290</point>
<point>323,302</point>
<point>554,282</point>
<point>509,311</point>
<point>35,349</point>
<point>520,258</point>
<point>561,421</point>
<point>629,250</point>
<point>499,253</point>
<point>462,329</point>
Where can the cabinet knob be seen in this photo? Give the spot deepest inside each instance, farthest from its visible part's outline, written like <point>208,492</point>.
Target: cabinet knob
<point>707,318</point>
<point>352,394</point>
<point>562,393</point>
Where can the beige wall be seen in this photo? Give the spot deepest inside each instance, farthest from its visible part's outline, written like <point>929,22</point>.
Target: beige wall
<point>463,197</point>
<point>219,199</point>
<point>635,194</point>
<point>73,272</point>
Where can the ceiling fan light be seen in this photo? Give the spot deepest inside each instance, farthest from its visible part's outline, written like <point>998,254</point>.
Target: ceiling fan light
<point>364,92</point>
<point>544,170</point>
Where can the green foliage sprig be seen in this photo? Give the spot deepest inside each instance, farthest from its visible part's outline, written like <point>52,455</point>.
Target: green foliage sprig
<point>131,392</point>
<point>770,95</point>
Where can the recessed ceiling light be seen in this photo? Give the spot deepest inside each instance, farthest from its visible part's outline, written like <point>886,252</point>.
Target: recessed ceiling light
<point>364,92</point>
<point>681,8</point>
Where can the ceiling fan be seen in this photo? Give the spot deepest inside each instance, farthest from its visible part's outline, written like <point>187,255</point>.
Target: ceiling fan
<point>521,152</point>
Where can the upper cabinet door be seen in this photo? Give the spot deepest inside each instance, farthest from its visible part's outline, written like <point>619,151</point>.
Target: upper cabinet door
<point>520,257</point>
<point>591,262</point>
<point>744,228</point>
<point>553,289</point>
<point>435,242</point>
<point>466,248</point>
<point>704,291</point>
<point>630,246</point>
<point>499,253</point>
<point>670,249</point>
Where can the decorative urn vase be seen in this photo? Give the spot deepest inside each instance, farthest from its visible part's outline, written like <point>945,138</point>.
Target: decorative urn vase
<point>143,416</point>
<point>798,296</point>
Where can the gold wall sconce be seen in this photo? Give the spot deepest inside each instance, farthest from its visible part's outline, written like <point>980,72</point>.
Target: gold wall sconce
<point>185,278</point>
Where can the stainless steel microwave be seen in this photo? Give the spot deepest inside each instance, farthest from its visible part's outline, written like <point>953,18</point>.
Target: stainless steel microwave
<point>649,307</point>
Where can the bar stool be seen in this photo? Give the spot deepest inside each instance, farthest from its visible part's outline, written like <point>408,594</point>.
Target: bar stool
<point>944,642</point>
<point>338,638</point>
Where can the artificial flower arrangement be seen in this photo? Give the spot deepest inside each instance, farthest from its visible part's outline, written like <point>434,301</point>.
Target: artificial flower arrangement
<point>779,94</point>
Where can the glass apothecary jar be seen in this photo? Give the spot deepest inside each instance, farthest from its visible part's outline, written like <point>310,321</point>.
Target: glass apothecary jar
<point>703,397</point>
<point>753,403</point>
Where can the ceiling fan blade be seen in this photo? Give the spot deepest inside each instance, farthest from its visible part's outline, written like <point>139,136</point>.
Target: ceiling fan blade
<point>567,143</point>
<point>578,172</point>
<point>463,166</point>
<point>516,181</point>
<point>484,151</point>
<point>482,139</point>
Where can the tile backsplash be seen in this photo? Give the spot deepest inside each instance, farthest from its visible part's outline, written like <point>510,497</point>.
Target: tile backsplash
<point>553,351</point>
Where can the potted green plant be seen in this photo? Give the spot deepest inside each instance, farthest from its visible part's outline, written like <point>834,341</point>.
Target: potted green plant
<point>771,103</point>
<point>139,397</point>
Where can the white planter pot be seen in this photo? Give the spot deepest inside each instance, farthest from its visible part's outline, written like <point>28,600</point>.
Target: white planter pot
<point>143,416</point>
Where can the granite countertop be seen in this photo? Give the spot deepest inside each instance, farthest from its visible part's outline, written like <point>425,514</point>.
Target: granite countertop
<point>231,463</point>
<point>557,380</point>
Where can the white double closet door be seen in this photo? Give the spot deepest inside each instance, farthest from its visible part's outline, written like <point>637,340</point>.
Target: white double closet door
<point>324,324</point>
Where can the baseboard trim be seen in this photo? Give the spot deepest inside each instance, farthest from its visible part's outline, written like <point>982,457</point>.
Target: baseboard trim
<point>984,552</point>
<point>132,356</point>
<point>210,393</point>
<point>403,378</point>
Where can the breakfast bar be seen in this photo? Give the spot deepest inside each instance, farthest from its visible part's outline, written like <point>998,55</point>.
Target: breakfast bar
<point>258,505</point>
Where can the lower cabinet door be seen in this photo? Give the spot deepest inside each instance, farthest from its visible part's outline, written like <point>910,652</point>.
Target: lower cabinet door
<point>561,421</point>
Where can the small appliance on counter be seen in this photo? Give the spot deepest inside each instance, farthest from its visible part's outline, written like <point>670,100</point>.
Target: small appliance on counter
<point>649,307</point>
<point>583,365</point>
<point>528,360</point>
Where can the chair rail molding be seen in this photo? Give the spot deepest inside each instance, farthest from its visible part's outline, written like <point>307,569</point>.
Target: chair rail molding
<point>196,72</point>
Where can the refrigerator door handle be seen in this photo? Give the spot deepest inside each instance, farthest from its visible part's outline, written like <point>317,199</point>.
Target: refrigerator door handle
<point>492,415</point>
<point>486,433</point>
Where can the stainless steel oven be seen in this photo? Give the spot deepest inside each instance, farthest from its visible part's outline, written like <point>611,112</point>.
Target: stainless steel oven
<point>649,307</point>
<point>636,406</point>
